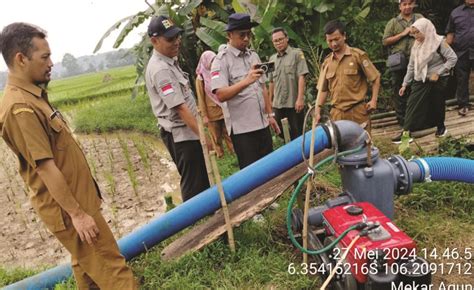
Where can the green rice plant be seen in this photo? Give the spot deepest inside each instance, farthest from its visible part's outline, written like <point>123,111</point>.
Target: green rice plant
<point>130,170</point>
<point>116,113</point>
<point>142,150</point>
<point>109,177</point>
<point>110,154</point>
<point>96,152</point>
<point>91,86</point>
<point>115,218</point>
<point>91,162</point>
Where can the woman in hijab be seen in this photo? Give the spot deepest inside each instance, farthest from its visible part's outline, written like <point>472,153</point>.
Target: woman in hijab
<point>431,61</point>
<point>209,106</point>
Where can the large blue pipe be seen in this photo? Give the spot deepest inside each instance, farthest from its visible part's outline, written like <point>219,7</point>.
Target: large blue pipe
<point>207,202</point>
<point>445,169</point>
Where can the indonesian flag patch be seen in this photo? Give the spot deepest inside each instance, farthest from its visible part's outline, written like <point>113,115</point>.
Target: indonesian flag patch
<point>214,75</point>
<point>167,89</point>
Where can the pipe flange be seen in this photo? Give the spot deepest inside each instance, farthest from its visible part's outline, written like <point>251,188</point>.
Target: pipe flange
<point>359,159</point>
<point>402,174</point>
<point>331,126</point>
<point>426,169</point>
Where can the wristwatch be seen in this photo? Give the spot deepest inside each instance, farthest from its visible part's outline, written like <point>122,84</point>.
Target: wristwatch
<point>270,115</point>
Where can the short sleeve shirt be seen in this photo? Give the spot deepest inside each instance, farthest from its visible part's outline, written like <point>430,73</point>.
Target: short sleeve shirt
<point>347,78</point>
<point>246,109</point>
<point>289,66</point>
<point>35,131</point>
<point>461,23</point>
<point>168,87</point>
<point>395,26</point>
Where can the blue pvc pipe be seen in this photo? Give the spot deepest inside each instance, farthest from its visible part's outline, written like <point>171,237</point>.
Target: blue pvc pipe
<point>203,204</point>
<point>447,169</point>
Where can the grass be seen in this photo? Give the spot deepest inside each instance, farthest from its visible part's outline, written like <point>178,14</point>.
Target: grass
<point>437,215</point>
<point>8,276</point>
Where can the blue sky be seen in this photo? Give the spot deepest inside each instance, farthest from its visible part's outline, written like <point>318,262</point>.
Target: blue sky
<point>74,26</point>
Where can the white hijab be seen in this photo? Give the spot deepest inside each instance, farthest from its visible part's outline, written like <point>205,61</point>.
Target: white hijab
<point>424,51</point>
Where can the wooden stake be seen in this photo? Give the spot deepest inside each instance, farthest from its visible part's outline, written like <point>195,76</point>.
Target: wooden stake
<point>309,187</point>
<point>202,139</point>
<point>230,232</point>
<point>286,130</point>
<point>309,184</point>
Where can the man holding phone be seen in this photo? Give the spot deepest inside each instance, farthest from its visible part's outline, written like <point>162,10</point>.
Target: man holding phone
<point>235,79</point>
<point>287,82</point>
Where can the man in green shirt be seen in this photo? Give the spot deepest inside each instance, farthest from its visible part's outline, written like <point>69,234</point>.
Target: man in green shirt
<point>397,37</point>
<point>287,83</point>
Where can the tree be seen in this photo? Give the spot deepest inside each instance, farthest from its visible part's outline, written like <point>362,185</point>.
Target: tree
<point>203,22</point>
<point>69,62</point>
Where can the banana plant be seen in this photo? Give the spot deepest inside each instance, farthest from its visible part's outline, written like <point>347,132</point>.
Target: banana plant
<point>204,21</point>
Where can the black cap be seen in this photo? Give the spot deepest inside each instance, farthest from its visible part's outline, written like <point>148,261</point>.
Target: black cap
<point>239,21</point>
<point>162,26</point>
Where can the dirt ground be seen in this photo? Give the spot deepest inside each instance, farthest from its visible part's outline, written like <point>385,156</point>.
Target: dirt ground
<point>134,173</point>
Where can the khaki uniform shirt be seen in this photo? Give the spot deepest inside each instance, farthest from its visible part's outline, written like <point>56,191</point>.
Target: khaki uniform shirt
<point>346,78</point>
<point>288,68</point>
<point>395,26</point>
<point>168,87</point>
<point>247,109</point>
<point>35,131</point>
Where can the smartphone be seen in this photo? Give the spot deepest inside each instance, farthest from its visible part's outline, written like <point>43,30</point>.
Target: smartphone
<point>267,67</point>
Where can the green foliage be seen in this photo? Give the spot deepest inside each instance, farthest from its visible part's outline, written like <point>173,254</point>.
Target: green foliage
<point>116,113</point>
<point>453,198</point>
<point>450,146</point>
<point>9,276</point>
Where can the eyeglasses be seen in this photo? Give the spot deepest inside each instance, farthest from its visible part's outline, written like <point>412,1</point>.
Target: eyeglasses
<point>278,40</point>
<point>174,38</point>
<point>243,34</point>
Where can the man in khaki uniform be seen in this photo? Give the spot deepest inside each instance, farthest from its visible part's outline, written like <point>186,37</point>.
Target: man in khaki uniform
<point>345,76</point>
<point>397,37</point>
<point>63,191</point>
<point>287,82</point>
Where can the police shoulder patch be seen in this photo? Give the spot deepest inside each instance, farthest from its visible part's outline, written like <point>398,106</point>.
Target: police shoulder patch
<point>21,110</point>
<point>365,63</point>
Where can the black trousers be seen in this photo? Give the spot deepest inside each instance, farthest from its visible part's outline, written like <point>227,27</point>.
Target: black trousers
<point>463,73</point>
<point>252,146</point>
<point>426,105</point>
<point>189,159</point>
<point>399,102</point>
<point>295,121</point>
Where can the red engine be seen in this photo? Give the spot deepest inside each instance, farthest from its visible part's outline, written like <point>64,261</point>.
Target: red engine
<point>384,242</point>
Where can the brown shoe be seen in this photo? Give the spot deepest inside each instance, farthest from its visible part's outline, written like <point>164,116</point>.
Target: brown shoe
<point>463,111</point>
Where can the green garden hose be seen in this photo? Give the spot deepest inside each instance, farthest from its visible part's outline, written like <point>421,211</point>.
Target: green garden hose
<point>295,195</point>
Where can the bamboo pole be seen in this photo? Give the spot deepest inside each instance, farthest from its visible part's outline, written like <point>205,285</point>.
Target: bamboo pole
<point>309,187</point>
<point>286,130</point>
<point>202,139</point>
<point>309,184</point>
<point>225,210</point>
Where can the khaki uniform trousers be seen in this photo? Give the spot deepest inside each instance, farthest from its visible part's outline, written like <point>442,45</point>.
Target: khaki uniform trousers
<point>96,266</point>
<point>358,114</point>
<point>218,132</point>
